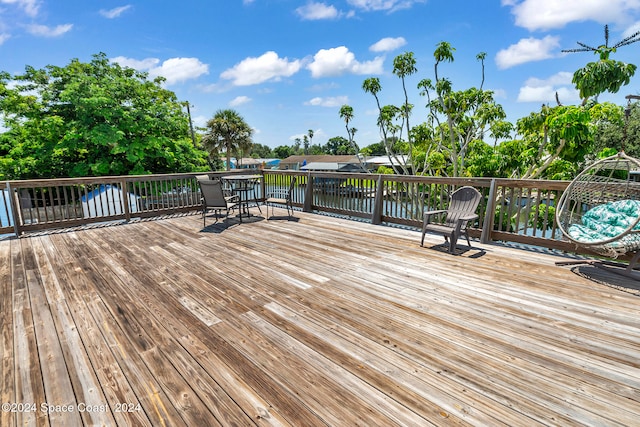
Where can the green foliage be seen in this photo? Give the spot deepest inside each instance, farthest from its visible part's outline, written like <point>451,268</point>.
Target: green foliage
<point>227,131</point>
<point>560,137</point>
<point>385,170</point>
<point>91,119</point>
<point>610,135</point>
<point>541,215</point>
<point>605,75</point>
<point>339,145</point>
<point>261,151</point>
<point>376,149</point>
<point>283,151</point>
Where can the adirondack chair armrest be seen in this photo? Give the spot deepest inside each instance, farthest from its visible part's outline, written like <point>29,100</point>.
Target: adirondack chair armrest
<point>429,214</point>
<point>465,219</point>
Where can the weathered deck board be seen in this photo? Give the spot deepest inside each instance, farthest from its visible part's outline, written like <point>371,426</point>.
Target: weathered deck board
<point>317,321</point>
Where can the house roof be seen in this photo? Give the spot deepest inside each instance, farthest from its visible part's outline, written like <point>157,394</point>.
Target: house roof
<point>320,158</point>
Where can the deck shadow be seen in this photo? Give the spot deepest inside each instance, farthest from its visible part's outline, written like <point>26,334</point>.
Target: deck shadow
<point>608,277</point>
<point>459,250</point>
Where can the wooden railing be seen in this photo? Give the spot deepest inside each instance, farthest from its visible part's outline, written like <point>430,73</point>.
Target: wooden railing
<point>511,210</point>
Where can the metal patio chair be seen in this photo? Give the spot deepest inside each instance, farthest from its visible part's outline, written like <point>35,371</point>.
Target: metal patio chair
<point>213,198</point>
<point>281,197</point>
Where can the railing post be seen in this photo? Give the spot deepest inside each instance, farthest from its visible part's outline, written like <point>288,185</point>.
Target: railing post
<point>489,214</point>
<point>15,211</point>
<point>308,194</point>
<point>125,203</point>
<point>376,216</point>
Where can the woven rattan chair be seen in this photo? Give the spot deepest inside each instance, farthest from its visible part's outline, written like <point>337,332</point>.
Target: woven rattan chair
<point>461,211</point>
<point>600,209</point>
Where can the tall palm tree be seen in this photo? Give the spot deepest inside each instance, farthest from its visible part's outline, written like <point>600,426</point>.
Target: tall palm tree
<point>227,130</point>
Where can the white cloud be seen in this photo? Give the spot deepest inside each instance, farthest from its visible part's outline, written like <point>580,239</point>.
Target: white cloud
<point>390,5</point>
<point>180,69</point>
<point>4,37</point>
<point>499,93</point>
<point>631,30</point>
<point>548,14</point>
<point>316,11</point>
<point>388,44</point>
<point>339,60</point>
<point>539,90</point>
<point>527,50</point>
<point>46,31</point>
<point>30,7</point>
<point>330,101</point>
<point>269,66</point>
<point>140,65</point>
<point>115,12</point>
<point>200,121</point>
<point>239,100</point>
<point>174,70</point>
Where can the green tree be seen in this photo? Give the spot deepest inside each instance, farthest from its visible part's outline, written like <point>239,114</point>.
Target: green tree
<point>227,131</point>
<point>376,149</point>
<point>611,135</point>
<point>339,145</point>
<point>92,119</point>
<point>260,151</point>
<point>561,136</point>
<point>283,151</point>
<point>391,123</point>
<point>457,119</point>
<point>605,74</point>
<point>309,142</point>
<point>404,65</point>
<point>316,149</point>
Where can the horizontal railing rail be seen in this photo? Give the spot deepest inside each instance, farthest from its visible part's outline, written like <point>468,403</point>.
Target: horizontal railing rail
<point>511,210</point>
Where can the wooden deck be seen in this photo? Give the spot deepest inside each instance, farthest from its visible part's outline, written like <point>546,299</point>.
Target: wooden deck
<point>317,321</point>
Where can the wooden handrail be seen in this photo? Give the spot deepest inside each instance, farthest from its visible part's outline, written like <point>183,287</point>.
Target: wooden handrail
<point>512,209</point>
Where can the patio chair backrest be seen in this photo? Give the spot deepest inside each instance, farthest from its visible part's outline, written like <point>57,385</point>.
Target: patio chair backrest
<point>292,185</point>
<point>464,201</point>
<point>212,193</point>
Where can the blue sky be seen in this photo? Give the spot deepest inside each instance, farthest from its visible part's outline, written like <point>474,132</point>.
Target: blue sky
<point>287,66</point>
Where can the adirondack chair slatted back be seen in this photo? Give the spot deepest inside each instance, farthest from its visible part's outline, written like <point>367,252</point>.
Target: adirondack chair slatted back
<point>461,211</point>
<point>464,201</point>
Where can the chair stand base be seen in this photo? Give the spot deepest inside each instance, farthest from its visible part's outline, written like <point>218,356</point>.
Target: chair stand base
<point>620,268</point>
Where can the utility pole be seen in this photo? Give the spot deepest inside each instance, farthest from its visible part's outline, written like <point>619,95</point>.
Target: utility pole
<point>193,136</point>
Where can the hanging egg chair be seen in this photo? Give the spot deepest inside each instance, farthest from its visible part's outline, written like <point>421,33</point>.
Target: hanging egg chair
<point>600,208</point>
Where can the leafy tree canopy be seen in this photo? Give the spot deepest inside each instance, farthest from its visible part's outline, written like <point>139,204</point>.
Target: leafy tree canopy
<point>92,119</point>
<point>604,75</point>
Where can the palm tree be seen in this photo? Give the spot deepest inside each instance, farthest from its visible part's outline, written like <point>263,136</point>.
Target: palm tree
<point>310,133</point>
<point>227,130</point>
